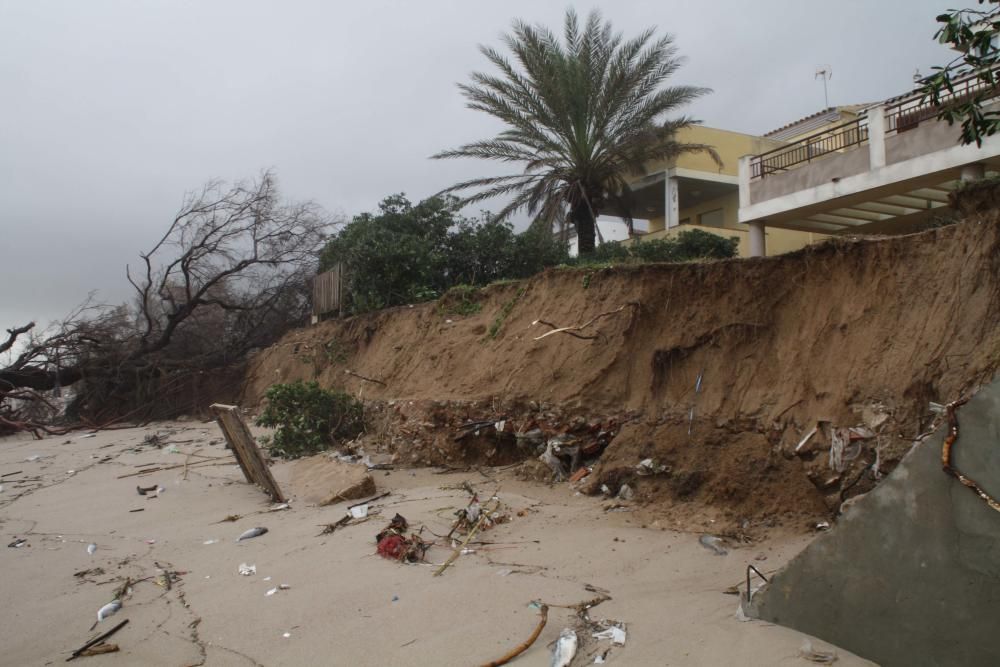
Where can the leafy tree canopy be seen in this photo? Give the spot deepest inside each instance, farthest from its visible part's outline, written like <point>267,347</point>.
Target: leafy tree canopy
<point>406,253</point>
<point>975,34</point>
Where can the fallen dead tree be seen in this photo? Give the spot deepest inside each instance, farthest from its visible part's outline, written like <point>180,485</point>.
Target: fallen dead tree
<point>229,274</point>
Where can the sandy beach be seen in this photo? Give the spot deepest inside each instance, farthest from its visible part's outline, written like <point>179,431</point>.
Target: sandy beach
<point>343,604</point>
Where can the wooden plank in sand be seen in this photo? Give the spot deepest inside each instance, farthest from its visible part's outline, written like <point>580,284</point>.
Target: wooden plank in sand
<point>245,450</point>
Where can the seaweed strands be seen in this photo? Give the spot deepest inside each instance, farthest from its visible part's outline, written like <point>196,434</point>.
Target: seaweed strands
<point>949,443</point>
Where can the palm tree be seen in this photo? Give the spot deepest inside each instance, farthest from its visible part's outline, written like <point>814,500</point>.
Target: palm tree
<point>581,117</point>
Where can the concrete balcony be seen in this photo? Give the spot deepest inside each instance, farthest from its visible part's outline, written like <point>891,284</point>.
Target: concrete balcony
<point>889,171</point>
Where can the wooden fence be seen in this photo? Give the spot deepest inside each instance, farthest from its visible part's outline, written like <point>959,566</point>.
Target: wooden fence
<point>328,293</point>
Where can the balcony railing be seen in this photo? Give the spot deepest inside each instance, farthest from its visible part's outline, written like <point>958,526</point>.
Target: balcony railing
<point>833,140</point>
<point>908,113</point>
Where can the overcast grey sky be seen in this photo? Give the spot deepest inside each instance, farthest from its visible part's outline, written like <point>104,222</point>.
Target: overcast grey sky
<point>111,110</point>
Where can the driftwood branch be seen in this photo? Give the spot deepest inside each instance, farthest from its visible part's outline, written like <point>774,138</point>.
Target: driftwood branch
<point>526,644</point>
<point>97,640</point>
<point>484,513</point>
<point>579,327</point>
<point>362,377</point>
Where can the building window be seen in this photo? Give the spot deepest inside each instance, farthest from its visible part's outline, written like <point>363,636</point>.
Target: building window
<point>712,218</point>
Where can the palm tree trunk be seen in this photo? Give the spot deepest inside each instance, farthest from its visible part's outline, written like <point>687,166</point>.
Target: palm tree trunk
<point>583,220</point>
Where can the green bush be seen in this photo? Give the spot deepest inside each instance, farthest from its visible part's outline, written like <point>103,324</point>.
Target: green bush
<point>686,246</point>
<point>309,419</point>
<point>407,253</point>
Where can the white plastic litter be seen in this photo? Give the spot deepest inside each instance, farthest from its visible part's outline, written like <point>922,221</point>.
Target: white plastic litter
<point>359,511</point>
<point>614,633</point>
<point>108,610</point>
<point>210,542</point>
<point>91,548</point>
<point>247,570</point>
<point>814,655</point>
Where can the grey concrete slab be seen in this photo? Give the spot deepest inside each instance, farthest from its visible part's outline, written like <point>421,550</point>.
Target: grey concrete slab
<point>910,575</point>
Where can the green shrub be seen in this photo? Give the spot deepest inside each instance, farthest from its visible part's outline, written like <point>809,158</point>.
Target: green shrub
<point>309,419</point>
<point>460,300</point>
<point>686,246</point>
<point>502,315</point>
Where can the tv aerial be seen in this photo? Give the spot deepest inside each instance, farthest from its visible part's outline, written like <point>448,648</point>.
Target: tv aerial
<point>824,72</point>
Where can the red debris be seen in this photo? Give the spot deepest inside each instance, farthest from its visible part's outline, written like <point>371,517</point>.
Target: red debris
<point>392,546</point>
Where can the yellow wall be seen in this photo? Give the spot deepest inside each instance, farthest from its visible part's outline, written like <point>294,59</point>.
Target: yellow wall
<point>777,240</point>
<point>730,146</point>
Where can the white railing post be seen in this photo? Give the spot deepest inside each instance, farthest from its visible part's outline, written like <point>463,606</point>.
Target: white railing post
<point>671,205</point>
<point>876,137</point>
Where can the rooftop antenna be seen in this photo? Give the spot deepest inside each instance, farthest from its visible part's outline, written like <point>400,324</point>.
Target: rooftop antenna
<point>826,72</point>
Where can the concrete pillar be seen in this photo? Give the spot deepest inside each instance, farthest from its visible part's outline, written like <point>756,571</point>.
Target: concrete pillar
<point>973,172</point>
<point>744,172</point>
<point>671,210</point>
<point>758,247</point>
<point>876,137</point>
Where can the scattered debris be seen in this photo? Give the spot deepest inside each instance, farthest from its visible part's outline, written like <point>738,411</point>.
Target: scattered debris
<point>247,570</point>
<point>395,545</point>
<point>714,543</point>
<point>486,515</point>
<point>650,467</point>
<point>543,612</point>
<point>99,649</point>
<point>358,511</point>
<point>614,632</point>
<point>625,492</point>
<point>805,439</point>
<point>212,541</point>
<point>565,648</point>
<point>96,571</point>
<point>822,525</point>
<point>580,474</point>
<point>110,609</point>
<point>91,548</point>
<point>282,587</point>
<point>97,640</point>
<point>813,655</point>
<point>18,543</point>
<point>144,490</point>
<point>252,533</point>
